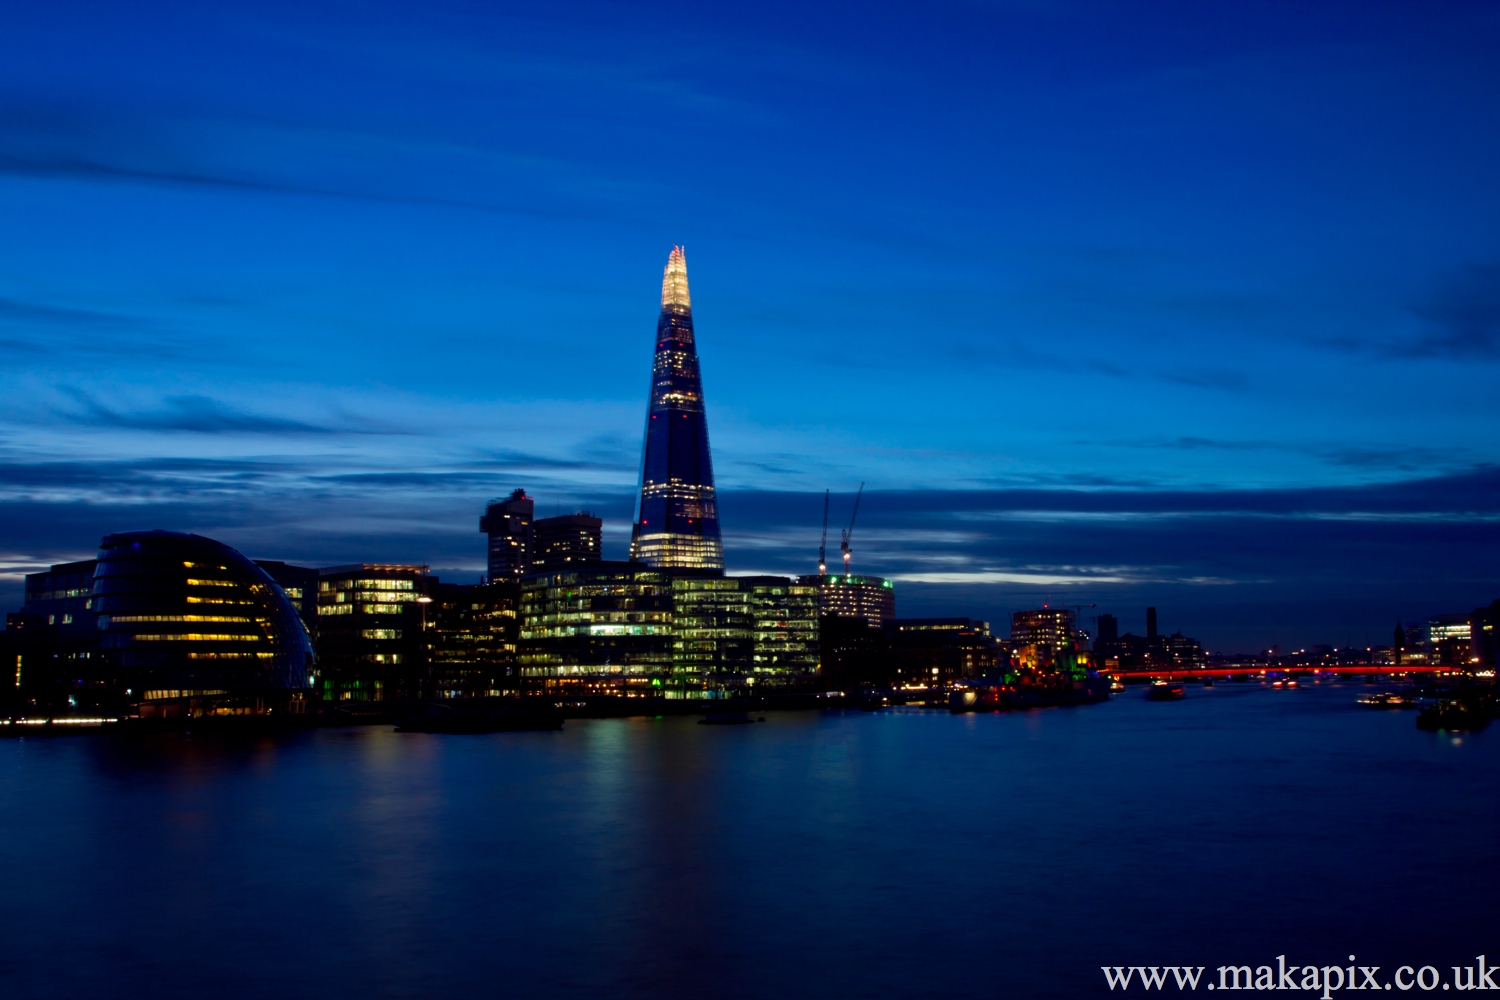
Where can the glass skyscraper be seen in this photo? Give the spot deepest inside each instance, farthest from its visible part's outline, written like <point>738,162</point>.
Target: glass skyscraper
<point>677,517</point>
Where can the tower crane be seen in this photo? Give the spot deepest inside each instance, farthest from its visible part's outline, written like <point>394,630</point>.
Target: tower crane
<point>823,542</point>
<point>849,531</point>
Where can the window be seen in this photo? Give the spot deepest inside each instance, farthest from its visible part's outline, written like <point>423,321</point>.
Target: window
<point>380,633</point>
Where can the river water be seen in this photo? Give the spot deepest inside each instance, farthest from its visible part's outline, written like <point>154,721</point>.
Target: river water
<point>899,853</point>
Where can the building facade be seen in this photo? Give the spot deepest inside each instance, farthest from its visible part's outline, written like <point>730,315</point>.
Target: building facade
<point>188,625</point>
<point>508,523</point>
<point>628,628</point>
<point>471,639</point>
<point>600,629</point>
<point>372,619</point>
<point>872,598</point>
<point>677,514</point>
<point>568,540</point>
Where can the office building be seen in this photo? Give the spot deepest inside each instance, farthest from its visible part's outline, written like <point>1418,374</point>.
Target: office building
<point>628,628</point>
<point>568,540</point>
<point>371,623</point>
<point>187,625</point>
<point>677,515</point>
<point>713,626</point>
<point>872,598</point>
<point>786,627</point>
<point>1109,629</point>
<point>471,639</point>
<point>508,523</point>
<point>600,629</point>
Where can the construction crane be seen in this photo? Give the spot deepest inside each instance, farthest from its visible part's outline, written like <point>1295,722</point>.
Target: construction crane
<point>823,542</point>
<point>849,531</point>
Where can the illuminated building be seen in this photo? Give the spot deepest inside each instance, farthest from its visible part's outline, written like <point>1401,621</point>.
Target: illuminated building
<point>713,623</point>
<point>371,618</point>
<point>677,516</point>
<point>1050,627</point>
<point>628,628</point>
<point>508,524</point>
<point>600,629</point>
<point>471,639</point>
<point>872,598</point>
<point>1448,640</point>
<point>786,625</point>
<point>188,625</point>
<point>568,540</point>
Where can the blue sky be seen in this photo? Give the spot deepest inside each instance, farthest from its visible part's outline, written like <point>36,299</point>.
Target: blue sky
<point>1185,304</point>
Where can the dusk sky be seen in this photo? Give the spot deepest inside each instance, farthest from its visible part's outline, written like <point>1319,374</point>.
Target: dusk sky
<point>1194,305</point>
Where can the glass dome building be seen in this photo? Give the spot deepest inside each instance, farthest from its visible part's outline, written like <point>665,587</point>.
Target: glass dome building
<point>183,616</point>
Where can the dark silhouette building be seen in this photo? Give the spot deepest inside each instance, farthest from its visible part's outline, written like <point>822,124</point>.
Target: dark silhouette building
<point>937,651</point>
<point>1148,652</point>
<point>51,645</point>
<point>568,540</point>
<point>508,523</point>
<point>677,515</point>
<point>1109,628</point>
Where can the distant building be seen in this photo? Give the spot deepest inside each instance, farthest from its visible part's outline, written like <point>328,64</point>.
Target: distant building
<point>1109,629</point>
<point>508,523</point>
<point>471,639</point>
<point>936,651</point>
<point>371,619</point>
<point>568,540</point>
<point>1448,639</point>
<point>1050,627</point>
<point>1484,637</point>
<point>677,516</point>
<point>1148,652</point>
<point>872,598</point>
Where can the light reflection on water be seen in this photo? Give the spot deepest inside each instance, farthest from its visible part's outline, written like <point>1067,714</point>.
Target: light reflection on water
<point>904,852</point>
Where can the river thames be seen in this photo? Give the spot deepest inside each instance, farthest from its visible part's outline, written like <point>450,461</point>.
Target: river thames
<point>906,852</point>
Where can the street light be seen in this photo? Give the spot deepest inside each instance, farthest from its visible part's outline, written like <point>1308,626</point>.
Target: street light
<point>424,600</point>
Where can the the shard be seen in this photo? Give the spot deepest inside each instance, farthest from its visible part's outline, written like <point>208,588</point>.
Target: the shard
<point>677,516</point>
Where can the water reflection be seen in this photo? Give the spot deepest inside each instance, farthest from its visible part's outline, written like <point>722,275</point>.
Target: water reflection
<point>898,853</point>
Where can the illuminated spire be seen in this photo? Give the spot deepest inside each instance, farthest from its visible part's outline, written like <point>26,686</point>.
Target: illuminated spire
<point>674,287</point>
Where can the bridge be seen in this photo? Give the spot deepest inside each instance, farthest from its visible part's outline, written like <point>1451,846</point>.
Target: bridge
<point>1345,669</point>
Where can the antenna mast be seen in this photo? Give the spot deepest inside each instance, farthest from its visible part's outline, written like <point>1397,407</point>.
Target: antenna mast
<point>823,542</point>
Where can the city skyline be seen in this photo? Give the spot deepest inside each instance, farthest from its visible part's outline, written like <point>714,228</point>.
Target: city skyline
<point>1196,310</point>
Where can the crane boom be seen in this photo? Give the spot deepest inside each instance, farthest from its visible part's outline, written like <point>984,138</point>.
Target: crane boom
<point>848,533</point>
<point>823,542</point>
